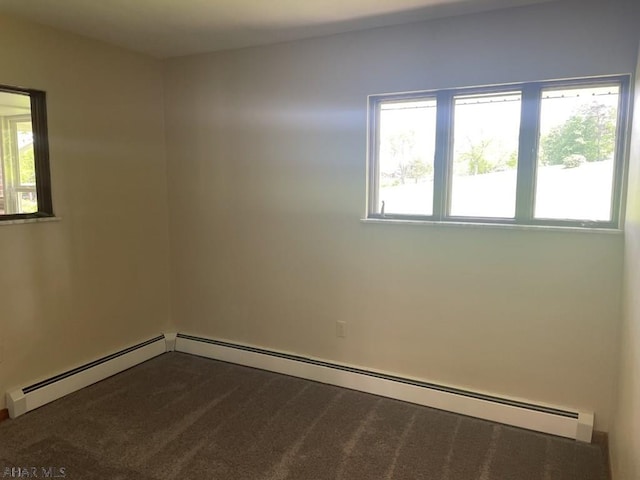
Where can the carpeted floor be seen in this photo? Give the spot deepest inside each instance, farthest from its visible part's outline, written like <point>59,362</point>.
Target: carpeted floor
<point>184,417</point>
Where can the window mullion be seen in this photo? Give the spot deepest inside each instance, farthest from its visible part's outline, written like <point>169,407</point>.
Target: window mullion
<point>374,153</point>
<point>620,148</point>
<point>527,152</point>
<point>443,154</point>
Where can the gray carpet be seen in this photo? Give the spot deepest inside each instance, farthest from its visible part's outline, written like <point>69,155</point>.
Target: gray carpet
<point>180,416</point>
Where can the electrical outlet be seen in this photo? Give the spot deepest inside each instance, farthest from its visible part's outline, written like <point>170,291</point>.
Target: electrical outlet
<point>341,329</point>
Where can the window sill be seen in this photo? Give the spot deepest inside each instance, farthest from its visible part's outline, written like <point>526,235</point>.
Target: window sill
<point>29,220</point>
<point>499,226</point>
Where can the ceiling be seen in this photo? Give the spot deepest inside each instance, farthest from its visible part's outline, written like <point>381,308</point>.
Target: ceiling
<point>168,28</point>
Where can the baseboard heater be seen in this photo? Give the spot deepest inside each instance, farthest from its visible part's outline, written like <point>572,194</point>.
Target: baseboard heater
<point>543,418</point>
<point>22,400</point>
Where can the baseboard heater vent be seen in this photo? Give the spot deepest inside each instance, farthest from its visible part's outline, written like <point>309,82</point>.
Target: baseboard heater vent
<point>28,398</point>
<point>543,418</point>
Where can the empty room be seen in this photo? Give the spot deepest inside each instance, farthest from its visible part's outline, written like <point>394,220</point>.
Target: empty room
<point>320,239</point>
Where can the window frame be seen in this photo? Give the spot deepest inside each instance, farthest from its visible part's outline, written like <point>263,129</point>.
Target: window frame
<point>528,148</point>
<point>37,99</point>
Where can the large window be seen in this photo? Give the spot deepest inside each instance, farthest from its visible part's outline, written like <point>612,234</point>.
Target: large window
<point>25,187</point>
<point>543,153</point>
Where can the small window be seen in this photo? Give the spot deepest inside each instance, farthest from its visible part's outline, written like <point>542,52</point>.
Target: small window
<point>542,153</point>
<point>25,186</point>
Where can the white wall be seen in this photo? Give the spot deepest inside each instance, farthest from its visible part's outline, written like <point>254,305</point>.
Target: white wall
<point>96,280</point>
<point>625,440</point>
<point>266,160</point>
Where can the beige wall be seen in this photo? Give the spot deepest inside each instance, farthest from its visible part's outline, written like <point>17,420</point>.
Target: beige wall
<point>626,433</point>
<point>266,160</point>
<point>96,280</point>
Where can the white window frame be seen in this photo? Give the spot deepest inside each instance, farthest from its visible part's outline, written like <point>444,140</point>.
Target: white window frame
<point>527,152</point>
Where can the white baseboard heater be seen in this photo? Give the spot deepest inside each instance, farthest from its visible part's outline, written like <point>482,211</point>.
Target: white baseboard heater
<point>543,418</point>
<point>25,399</point>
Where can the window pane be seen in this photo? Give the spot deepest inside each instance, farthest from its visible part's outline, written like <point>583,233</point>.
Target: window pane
<point>575,168</point>
<point>17,172</point>
<point>405,156</point>
<point>27,202</point>
<point>485,155</point>
<point>26,163</point>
